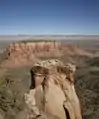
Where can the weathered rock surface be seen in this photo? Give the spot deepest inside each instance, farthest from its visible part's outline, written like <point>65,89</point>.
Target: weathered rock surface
<point>52,90</point>
<point>36,48</point>
<point>27,53</point>
<point>23,53</point>
<point>1,116</point>
<point>27,114</point>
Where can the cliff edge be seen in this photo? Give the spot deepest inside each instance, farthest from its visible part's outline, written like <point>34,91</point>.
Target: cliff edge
<point>27,53</point>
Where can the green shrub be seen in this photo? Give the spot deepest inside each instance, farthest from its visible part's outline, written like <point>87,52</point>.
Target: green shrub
<point>10,101</point>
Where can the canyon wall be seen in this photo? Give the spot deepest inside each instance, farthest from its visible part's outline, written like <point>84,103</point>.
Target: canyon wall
<point>26,52</point>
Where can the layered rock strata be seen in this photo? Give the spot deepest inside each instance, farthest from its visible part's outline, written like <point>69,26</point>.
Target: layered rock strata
<point>23,53</point>
<point>27,53</point>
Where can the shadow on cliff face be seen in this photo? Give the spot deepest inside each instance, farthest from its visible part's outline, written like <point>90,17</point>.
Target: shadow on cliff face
<point>67,113</point>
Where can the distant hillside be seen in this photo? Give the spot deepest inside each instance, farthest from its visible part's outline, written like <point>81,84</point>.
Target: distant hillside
<point>29,51</point>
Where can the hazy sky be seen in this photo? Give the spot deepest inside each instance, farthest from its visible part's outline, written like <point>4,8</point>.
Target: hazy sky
<point>49,17</point>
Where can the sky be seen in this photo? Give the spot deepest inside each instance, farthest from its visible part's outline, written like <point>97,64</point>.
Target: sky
<point>49,17</point>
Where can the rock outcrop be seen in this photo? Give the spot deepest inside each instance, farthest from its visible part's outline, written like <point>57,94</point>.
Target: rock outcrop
<point>35,47</point>
<point>22,53</point>
<point>27,53</point>
<point>52,90</point>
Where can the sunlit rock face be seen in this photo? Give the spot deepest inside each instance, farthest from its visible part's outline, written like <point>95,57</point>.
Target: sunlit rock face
<point>23,53</point>
<point>21,48</point>
<point>27,53</point>
<point>52,90</point>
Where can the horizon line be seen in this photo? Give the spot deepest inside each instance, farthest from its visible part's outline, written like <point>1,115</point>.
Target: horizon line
<point>49,34</point>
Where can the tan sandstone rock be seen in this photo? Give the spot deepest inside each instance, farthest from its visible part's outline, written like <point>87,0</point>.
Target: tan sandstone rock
<point>52,89</point>
<point>25,53</point>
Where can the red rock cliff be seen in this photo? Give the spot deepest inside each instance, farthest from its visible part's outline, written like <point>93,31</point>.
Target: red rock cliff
<point>29,51</point>
<point>24,53</point>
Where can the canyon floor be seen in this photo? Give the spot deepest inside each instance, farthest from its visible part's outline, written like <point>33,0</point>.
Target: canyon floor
<point>14,82</point>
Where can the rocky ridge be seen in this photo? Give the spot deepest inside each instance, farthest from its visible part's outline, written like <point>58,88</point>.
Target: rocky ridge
<point>26,52</point>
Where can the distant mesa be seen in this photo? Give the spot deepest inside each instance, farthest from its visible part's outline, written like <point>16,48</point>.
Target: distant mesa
<point>28,52</point>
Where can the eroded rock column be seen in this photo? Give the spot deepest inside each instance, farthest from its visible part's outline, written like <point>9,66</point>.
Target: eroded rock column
<point>72,102</point>
<point>56,91</point>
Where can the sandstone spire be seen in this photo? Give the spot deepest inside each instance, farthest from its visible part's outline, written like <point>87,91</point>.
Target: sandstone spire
<point>52,89</point>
